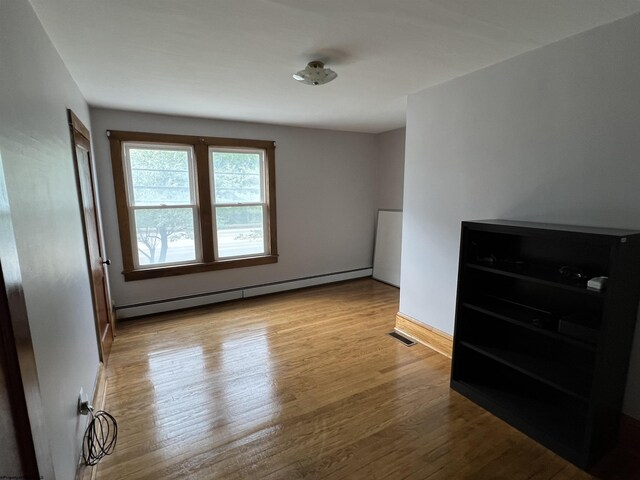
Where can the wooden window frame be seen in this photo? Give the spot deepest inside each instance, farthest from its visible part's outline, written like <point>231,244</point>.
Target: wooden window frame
<point>200,147</point>
<point>263,204</point>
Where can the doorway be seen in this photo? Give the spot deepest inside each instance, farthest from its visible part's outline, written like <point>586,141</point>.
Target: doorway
<point>81,141</point>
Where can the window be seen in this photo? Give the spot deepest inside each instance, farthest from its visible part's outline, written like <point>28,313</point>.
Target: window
<point>162,204</point>
<point>239,206</point>
<point>192,204</point>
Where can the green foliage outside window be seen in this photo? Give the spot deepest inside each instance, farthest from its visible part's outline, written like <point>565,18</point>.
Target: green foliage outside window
<point>236,177</point>
<point>161,177</point>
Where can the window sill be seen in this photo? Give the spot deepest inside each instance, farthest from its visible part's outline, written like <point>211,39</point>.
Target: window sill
<point>169,271</point>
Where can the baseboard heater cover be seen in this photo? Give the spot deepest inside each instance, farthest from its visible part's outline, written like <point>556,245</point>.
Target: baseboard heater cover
<point>160,306</point>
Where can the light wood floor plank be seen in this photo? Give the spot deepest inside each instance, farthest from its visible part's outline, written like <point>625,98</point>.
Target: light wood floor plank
<point>300,385</point>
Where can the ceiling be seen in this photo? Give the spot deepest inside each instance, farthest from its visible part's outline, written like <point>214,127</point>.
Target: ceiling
<point>234,59</point>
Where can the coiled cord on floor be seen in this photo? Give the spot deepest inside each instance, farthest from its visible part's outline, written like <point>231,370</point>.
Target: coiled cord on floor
<point>100,437</point>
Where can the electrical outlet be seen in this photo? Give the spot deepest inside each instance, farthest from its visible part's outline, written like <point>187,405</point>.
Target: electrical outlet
<point>84,407</point>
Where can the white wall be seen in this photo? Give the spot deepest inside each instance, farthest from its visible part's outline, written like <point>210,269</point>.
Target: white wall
<point>325,184</point>
<point>390,169</point>
<point>551,135</point>
<point>36,153</point>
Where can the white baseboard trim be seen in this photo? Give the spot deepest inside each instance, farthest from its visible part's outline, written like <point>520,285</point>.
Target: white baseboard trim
<point>175,304</point>
<point>306,282</point>
<point>148,308</point>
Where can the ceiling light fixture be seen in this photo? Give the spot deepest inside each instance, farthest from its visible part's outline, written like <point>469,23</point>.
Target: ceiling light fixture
<point>315,74</point>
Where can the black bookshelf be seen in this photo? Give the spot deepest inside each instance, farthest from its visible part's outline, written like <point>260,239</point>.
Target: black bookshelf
<point>533,344</point>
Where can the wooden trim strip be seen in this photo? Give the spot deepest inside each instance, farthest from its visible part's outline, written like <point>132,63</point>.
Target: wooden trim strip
<point>168,271</point>
<point>271,200</point>
<point>77,125</point>
<point>429,336</point>
<point>119,185</point>
<point>121,135</point>
<point>203,175</point>
<point>100,388</point>
<point>81,141</point>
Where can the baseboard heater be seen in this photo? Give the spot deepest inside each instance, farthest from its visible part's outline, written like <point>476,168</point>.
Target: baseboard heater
<point>188,301</point>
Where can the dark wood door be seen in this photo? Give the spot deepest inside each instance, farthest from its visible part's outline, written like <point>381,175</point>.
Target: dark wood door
<point>93,235</point>
<point>24,447</point>
<point>17,455</point>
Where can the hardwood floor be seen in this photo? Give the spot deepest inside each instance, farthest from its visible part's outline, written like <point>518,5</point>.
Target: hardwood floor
<point>302,384</point>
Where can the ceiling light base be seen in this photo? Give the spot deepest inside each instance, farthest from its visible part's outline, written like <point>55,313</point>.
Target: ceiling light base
<point>315,74</point>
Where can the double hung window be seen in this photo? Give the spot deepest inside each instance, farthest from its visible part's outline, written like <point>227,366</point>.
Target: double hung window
<point>239,205</point>
<point>191,204</point>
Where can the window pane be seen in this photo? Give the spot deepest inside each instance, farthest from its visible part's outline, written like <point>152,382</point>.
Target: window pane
<point>240,231</point>
<point>160,177</point>
<point>237,177</point>
<point>165,235</point>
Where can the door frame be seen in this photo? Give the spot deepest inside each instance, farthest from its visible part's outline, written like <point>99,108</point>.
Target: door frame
<point>22,374</point>
<point>80,136</point>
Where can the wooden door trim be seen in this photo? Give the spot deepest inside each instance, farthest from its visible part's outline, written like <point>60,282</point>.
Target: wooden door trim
<point>14,387</point>
<point>80,136</point>
<point>17,341</point>
<point>78,126</point>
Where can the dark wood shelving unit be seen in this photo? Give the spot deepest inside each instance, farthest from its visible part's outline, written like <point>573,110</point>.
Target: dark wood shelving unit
<point>541,275</point>
<point>522,316</point>
<point>519,285</point>
<point>568,380</point>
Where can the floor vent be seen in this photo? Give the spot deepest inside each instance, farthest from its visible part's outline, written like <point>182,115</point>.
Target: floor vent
<point>401,338</point>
